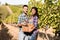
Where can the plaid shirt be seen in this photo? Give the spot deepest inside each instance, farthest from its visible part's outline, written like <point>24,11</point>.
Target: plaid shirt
<point>22,18</point>
<point>35,21</point>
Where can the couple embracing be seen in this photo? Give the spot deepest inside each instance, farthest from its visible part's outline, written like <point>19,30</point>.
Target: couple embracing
<point>30,24</point>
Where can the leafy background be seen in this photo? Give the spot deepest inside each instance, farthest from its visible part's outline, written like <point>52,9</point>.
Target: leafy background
<point>49,13</point>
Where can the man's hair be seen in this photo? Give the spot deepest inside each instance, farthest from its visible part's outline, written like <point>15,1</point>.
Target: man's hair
<point>25,6</point>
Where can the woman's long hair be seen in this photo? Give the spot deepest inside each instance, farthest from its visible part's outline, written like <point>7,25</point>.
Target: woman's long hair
<point>36,9</point>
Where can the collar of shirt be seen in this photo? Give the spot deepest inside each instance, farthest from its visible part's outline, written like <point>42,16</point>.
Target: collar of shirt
<point>24,14</point>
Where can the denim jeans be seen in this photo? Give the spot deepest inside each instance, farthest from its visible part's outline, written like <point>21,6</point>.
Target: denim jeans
<point>34,35</point>
<point>22,36</point>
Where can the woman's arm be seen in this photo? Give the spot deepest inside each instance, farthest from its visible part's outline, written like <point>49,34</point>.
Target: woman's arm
<point>35,22</point>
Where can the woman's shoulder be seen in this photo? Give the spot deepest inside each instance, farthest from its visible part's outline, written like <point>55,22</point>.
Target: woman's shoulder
<point>35,17</point>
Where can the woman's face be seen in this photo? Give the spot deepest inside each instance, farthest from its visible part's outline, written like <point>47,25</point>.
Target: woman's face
<point>33,11</point>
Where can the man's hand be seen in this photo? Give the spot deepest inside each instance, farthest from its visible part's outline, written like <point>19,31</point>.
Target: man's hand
<point>22,24</point>
<point>19,25</point>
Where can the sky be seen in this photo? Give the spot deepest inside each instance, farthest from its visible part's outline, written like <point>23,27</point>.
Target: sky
<point>14,2</point>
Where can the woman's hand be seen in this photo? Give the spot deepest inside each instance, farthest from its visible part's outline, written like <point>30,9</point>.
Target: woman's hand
<point>18,25</point>
<point>31,27</point>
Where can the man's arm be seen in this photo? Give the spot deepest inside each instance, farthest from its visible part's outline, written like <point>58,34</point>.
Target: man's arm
<point>19,25</point>
<point>21,22</point>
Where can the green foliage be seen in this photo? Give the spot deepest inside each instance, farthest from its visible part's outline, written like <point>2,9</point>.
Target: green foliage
<point>49,12</point>
<point>6,4</point>
<point>13,18</point>
<point>15,9</point>
<point>3,12</point>
<point>0,18</point>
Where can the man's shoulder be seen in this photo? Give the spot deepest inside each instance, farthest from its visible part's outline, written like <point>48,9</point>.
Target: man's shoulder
<point>21,15</point>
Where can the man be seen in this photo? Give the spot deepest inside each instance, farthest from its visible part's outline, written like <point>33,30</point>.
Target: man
<point>23,17</point>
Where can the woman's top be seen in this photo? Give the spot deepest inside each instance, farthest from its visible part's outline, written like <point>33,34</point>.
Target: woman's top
<point>34,21</point>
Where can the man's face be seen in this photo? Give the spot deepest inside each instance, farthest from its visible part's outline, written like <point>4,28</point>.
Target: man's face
<point>25,10</point>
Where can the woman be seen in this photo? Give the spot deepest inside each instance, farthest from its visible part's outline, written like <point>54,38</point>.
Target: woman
<point>35,22</point>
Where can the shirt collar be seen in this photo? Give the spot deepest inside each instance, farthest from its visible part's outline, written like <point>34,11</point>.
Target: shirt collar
<point>24,14</point>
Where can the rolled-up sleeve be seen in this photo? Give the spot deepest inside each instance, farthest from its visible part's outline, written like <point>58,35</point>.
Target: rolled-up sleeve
<point>19,19</point>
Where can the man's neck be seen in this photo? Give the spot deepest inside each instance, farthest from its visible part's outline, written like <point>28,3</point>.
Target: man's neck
<point>25,13</point>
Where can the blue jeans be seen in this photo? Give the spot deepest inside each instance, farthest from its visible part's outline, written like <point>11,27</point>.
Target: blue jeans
<point>34,35</point>
<point>22,36</point>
